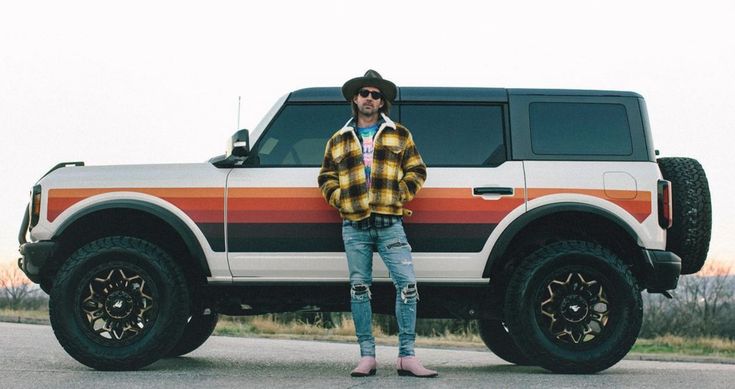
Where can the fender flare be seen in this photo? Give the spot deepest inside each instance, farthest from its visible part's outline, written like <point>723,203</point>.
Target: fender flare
<point>506,237</point>
<point>192,244</point>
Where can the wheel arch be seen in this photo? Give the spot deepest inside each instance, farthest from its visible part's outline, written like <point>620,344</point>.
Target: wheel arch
<point>567,219</point>
<point>138,218</point>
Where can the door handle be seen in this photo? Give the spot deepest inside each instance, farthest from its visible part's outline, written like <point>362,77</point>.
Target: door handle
<point>493,191</point>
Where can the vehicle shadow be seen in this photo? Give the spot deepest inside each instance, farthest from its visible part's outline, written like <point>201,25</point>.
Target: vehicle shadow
<point>189,363</point>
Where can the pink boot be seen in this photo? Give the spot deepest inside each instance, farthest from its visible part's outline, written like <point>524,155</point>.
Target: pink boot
<point>411,366</point>
<point>366,367</point>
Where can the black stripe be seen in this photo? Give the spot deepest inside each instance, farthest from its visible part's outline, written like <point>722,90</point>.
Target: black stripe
<point>319,237</point>
<point>215,234</point>
<point>448,238</point>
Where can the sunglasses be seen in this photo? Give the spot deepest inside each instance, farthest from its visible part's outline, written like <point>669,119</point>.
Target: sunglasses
<point>374,95</point>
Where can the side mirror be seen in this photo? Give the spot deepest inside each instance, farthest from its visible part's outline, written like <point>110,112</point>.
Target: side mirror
<point>238,149</point>
<point>239,144</point>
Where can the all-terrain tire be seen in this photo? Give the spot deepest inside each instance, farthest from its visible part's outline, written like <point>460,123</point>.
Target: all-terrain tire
<point>689,235</point>
<point>573,307</point>
<point>496,337</point>
<point>198,329</point>
<point>119,303</point>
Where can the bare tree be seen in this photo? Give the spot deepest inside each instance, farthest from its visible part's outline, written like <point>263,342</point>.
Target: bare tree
<point>702,305</point>
<point>16,290</point>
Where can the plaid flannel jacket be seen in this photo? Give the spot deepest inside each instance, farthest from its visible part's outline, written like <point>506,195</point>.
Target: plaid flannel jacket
<point>398,172</point>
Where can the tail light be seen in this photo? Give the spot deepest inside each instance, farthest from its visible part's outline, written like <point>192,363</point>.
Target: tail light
<point>35,205</point>
<point>665,206</point>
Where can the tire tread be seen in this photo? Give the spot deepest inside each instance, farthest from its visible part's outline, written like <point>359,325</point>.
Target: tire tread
<point>690,234</point>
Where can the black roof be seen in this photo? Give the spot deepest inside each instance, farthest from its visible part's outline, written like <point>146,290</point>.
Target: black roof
<point>458,94</point>
<point>572,92</point>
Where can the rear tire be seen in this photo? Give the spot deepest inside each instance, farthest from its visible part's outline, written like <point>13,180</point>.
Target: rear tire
<point>119,303</point>
<point>496,337</point>
<point>690,233</point>
<point>573,307</point>
<point>198,329</point>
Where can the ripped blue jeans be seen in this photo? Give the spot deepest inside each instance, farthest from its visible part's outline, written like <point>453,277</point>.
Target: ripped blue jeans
<point>395,251</point>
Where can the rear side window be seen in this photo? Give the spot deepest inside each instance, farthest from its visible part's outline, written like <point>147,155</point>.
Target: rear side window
<point>456,135</point>
<point>579,129</point>
<point>299,133</point>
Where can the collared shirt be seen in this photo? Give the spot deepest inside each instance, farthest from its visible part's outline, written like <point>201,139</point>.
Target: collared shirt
<point>367,139</point>
<point>366,136</point>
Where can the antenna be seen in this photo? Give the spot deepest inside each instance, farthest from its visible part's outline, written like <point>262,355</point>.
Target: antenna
<point>238,113</point>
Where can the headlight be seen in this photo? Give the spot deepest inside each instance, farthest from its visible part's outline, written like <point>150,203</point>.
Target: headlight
<point>35,205</point>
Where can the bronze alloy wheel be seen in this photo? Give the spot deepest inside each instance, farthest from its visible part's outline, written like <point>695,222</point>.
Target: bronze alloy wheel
<point>117,304</point>
<point>575,308</point>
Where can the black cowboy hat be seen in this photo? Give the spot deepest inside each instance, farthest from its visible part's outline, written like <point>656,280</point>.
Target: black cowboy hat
<point>371,78</point>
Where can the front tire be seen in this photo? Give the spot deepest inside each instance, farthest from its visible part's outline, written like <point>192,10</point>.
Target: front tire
<point>119,303</point>
<point>573,307</point>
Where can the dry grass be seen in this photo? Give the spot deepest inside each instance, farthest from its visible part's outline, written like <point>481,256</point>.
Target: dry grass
<point>267,326</point>
<point>22,313</point>
<point>670,344</point>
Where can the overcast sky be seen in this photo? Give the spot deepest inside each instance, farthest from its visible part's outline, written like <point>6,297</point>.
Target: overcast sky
<point>157,82</point>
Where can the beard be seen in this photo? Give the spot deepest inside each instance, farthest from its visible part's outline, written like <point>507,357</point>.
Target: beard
<point>368,110</point>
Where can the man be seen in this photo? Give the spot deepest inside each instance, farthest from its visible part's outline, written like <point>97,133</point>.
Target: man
<point>371,168</point>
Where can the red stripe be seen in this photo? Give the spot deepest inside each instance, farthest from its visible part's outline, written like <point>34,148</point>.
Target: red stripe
<point>291,217</point>
<point>458,217</point>
<point>277,204</point>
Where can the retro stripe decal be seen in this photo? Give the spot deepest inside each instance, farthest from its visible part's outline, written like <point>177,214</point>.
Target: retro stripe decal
<point>203,205</point>
<point>298,219</point>
<point>637,204</point>
<point>306,205</point>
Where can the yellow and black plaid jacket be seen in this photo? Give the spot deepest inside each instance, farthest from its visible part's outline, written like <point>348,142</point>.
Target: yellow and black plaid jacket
<point>398,172</point>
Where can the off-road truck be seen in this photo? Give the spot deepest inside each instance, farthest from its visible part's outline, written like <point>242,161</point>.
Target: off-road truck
<point>544,216</point>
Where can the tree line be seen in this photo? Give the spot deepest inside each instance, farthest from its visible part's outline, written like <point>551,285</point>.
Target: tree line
<point>702,305</point>
<point>17,292</point>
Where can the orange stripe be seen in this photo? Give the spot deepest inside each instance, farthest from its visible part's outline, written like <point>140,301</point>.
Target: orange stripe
<point>274,192</point>
<point>452,193</point>
<point>158,192</point>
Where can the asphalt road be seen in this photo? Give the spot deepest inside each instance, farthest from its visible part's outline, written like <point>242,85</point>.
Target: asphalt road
<point>31,357</point>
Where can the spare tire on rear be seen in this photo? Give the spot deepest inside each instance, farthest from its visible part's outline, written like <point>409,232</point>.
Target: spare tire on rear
<point>690,232</point>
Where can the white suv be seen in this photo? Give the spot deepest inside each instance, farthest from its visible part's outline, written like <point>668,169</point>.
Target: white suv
<point>544,215</point>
